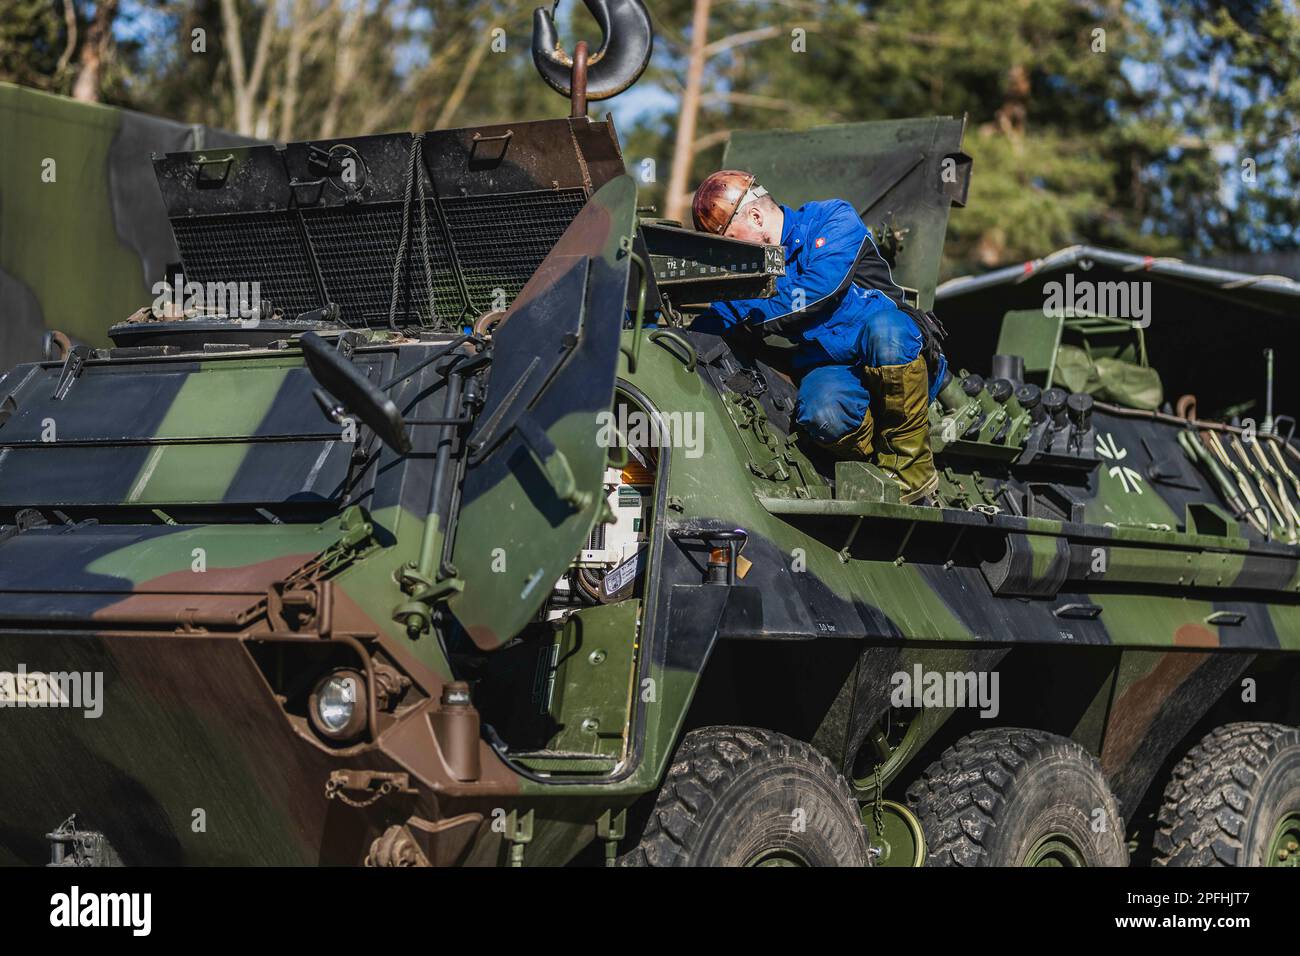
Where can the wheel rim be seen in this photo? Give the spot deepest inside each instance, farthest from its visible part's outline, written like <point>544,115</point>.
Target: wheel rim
<point>776,857</point>
<point>1055,849</point>
<point>899,837</point>
<point>1284,847</point>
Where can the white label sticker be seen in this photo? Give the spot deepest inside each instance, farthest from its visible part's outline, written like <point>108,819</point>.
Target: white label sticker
<point>622,575</point>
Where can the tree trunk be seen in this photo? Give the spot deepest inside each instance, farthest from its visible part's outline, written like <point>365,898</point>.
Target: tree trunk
<point>70,22</point>
<point>245,83</point>
<point>345,64</point>
<point>683,147</point>
<point>453,102</point>
<point>94,51</point>
<point>293,69</point>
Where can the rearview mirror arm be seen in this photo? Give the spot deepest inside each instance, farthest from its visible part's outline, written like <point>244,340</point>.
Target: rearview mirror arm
<point>425,362</point>
<point>420,578</point>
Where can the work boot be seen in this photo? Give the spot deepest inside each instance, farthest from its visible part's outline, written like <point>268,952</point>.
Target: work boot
<point>903,427</point>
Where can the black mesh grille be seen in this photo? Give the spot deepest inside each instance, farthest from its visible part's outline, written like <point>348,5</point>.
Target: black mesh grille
<point>262,247</point>
<point>501,240</point>
<point>356,247</point>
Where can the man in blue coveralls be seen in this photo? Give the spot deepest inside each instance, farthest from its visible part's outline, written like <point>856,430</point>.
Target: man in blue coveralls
<point>868,364</point>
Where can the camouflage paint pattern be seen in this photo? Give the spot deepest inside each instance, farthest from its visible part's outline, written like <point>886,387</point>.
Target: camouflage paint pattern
<point>162,463</point>
<point>83,232</point>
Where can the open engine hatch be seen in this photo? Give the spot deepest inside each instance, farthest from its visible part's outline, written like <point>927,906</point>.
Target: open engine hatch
<point>335,221</point>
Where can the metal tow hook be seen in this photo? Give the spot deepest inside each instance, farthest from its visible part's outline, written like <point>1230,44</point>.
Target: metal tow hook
<point>627,41</point>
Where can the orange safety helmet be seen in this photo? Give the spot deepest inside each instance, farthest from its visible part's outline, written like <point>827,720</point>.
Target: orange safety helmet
<point>720,196</point>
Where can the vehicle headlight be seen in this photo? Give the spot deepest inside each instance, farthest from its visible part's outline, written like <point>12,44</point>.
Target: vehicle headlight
<point>338,705</point>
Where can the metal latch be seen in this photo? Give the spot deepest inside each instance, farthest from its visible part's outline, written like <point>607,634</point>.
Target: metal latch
<point>519,833</point>
<point>373,785</point>
<point>552,462</point>
<point>72,846</point>
<point>72,366</point>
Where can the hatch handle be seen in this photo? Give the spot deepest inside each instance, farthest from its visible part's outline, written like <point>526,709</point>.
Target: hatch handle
<point>203,179</point>
<point>480,140</point>
<point>675,343</point>
<point>633,351</point>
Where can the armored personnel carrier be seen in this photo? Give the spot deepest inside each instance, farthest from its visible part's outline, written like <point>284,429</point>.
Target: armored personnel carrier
<point>444,541</point>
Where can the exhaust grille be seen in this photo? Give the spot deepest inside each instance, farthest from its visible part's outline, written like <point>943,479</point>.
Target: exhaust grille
<point>501,240</point>
<point>356,247</point>
<point>261,247</point>
<point>497,242</point>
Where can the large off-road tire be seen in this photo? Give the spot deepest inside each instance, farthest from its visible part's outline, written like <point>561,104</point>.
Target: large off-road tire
<point>1234,800</point>
<point>1011,797</point>
<point>740,796</point>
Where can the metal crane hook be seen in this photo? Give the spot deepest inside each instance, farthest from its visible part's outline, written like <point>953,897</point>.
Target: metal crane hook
<point>627,40</point>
